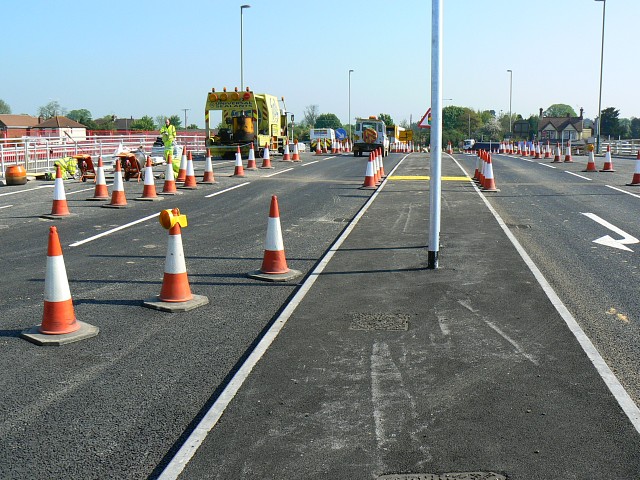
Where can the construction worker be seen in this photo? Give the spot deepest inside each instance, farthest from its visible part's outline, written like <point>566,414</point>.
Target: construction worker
<point>168,134</point>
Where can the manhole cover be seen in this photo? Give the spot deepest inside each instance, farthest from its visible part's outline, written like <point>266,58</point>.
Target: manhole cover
<point>445,476</point>
<point>379,321</point>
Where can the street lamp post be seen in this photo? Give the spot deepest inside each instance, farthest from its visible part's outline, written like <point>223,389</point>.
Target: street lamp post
<point>349,122</point>
<point>185,110</point>
<point>242,7</point>
<point>604,4</point>
<point>510,95</point>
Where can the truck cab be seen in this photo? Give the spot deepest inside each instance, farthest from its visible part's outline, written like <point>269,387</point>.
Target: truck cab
<point>370,134</point>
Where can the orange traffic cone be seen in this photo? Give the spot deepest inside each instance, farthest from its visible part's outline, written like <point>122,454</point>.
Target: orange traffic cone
<point>556,157</point>
<point>296,152</point>
<point>325,145</point>
<point>118,198</point>
<point>567,154</point>
<point>370,175</point>
<point>489,181</point>
<point>591,164</point>
<point>149,190</point>
<point>60,208</point>
<point>286,157</point>
<point>182,171</point>
<point>190,177</point>
<point>207,178</point>
<point>169,187</point>
<point>101,192</point>
<point>239,170</point>
<point>59,324</point>
<point>175,294</point>
<point>274,263</point>
<point>251,161</point>
<point>636,175</point>
<point>318,148</point>
<point>608,163</point>
<point>266,159</point>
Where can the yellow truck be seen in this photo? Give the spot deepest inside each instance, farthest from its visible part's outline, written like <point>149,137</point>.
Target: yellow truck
<point>244,118</point>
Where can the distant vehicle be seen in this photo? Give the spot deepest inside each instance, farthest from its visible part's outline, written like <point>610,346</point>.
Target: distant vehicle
<point>326,136</point>
<point>370,134</point>
<point>468,144</point>
<point>301,147</point>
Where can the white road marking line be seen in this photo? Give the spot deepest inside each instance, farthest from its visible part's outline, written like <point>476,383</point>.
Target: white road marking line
<point>615,387</point>
<point>113,230</point>
<point>310,163</point>
<point>26,190</point>
<point>579,176</point>
<point>607,240</point>
<point>546,165</point>
<point>623,191</point>
<point>226,190</point>
<point>278,173</point>
<point>518,348</point>
<point>6,206</point>
<point>194,440</point>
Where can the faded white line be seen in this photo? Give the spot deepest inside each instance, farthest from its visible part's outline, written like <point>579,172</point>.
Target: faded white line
<point>615,387</point>
<point>623,191</point>
<point>83,190</point>
<point>546,165</point>
<point>6,206</point>
<point>444,328</point>
<point>226,190</point>
<point>278,173</point>
<point>113,230</point>
<point>26,190</point>
<point>518,348</point>
<point>579,176</point>
<point>310,163</point>
<point>210,419</point>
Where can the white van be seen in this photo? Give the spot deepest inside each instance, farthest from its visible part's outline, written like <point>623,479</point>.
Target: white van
<point>328,136</point>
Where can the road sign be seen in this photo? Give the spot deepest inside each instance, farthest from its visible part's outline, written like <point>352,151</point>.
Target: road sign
<point>341,134</point>
<point>425,122</point>
<point>406,135</point>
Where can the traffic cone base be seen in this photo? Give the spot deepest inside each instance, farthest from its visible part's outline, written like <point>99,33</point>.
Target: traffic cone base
<point>59,208</point>
<point>101,192</point>
<point>176,307</point>
<point>118,197</point>
<point>33,335</point>
<point>207,178</point>
<point>149,191</point>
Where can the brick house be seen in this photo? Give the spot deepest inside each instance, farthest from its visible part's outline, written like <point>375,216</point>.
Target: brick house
<point>563,128</point>
<point>61,127</point>
<point>16,126</point>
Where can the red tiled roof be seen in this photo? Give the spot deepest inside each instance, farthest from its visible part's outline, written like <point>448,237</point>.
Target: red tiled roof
<point>59,122</point>
<point>18,121</point>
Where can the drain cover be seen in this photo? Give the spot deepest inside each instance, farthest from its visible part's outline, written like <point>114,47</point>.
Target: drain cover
<point>379,321</point>
<point>445,476</point>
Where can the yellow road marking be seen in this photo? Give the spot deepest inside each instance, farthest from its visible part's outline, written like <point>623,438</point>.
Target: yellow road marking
<point>424,177</point>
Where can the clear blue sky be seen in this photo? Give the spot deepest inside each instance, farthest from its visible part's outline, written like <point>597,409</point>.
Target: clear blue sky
<point>140,57</point>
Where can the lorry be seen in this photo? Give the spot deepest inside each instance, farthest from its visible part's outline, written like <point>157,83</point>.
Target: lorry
<point>370,134</point>
<point>245,118</point>
<point>326,136</point>
<point>468,144</point>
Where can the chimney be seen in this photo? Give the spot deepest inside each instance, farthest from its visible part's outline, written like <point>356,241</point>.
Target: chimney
<point>541,113</point>
<point>581,110</point>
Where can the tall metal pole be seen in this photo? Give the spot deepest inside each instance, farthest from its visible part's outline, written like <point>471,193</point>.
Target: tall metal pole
<point>349,122</point>
<point>604,4</point>
<point>435,183</point>
<point>185,110</point>
<point>510,92</point>
<point>242,7</point>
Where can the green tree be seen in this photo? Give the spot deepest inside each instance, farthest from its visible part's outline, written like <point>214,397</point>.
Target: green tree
<point>533,120</point>
<point>492,129</point>
<point>625,128</point>
<point>560,110</point>
<point>82,116</point>
<point>328,120</point>
<point>4,107</point>
<point>50,110</point>
<point>145,123</point>
<point>635,127</point>
<point>386,118</point>
<point>609,122</point>
<point>175,121</point>
<point>193,126</point>
<point>108,122</point>
<point>450,117</point>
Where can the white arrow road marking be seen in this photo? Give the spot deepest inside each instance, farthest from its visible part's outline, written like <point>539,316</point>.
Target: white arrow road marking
<point>608,240</point>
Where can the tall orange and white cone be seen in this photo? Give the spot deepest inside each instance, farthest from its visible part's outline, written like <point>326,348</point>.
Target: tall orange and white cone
<point>251,161</point>
<point>547,151</point>
<point>239,168</point>
<point>208,178</point>
<point>169,187</point>
<point>370,175</point>
<point>556,157</point>
<point>286,156</point>
<point>59,209</point>
<point>266,158</point>
<point>636,175</point>
<point>608,163</point>
<point>175,294</point>
<point>274,263</point>
<point>182,171</point>
<point>100,192</point>
<point>118,198</point>
<point>591,164</point>
<point>489,181</point>
<point>567,153</point>
<point>318,148</point>
<point>190,177</point>
<point>325,145</point>
<point>296,153</point>
<point>149,189</point>
<point>59,324</point>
